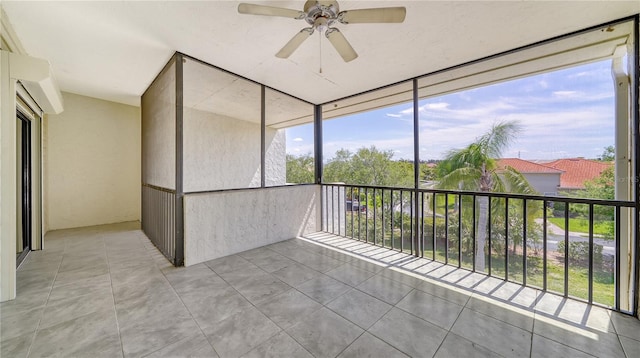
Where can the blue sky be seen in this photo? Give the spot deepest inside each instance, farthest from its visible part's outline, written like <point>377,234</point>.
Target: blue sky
<point>566,113</point>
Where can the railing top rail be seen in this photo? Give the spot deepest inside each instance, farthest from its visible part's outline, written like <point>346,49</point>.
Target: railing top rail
<point>565,199</point>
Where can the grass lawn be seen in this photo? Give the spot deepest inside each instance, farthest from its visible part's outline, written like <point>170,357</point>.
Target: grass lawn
<point>582,225</point>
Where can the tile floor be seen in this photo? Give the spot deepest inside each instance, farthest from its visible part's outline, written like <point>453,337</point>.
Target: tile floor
<point>107,292</point>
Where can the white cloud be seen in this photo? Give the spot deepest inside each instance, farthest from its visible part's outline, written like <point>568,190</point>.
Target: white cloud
<point>437,105</point>
<point>392,115</point>
<point>298,139</point>
<point>565,94</point>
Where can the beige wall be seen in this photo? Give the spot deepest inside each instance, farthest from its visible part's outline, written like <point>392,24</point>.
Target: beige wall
<point>91,163</point>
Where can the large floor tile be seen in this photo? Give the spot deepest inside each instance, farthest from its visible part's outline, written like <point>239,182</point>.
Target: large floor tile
<point>596,342</point>
<point>271,261</point>
<point>503,338</point>
<point>631,346</point>
<point>359,308</point>
<point>399,329</point>
<point>261,288</point>
<point>456,346</point>
<point>20,323</point>
<point>240,333</point>
<point>350,274</point>
<point>501,311</point>
<point>573,312</point>
<point>626,325</point>
<point>228,264</point>
<point>288,308</point>
<point>75,275</point>
<point>148,334</point>
<point>208,309</point>
<point>385,289</point>
<point>324,333</point>
<point>92,335</point>
<point>192,347</point>
<point>369,346</point>
<point>73,307</point>
<point>543,348</point>
<point>448,293</point>
<point>295,274</point>
<point>279,346</point>
<point>323,289</point>
<point>25,302</point>
<point>100,286</point>
<point>432,309</point>
<point>17,347</point>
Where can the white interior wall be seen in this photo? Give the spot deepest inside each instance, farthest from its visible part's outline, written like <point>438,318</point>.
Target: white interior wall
<point>92,163</point>
<point>224,223</point>
<point>224,153</point>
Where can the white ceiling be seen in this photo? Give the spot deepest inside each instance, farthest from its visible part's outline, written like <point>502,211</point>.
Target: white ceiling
<point>113,50</point>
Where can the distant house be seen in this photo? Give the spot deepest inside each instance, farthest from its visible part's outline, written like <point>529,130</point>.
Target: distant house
<point>577,171</point>
<point>544,179</point>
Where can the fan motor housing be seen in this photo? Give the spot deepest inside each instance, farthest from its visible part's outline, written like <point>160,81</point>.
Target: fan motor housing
<point>320,9</point>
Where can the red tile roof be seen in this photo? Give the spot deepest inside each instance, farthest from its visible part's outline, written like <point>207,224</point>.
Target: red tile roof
<point>525,166</point>
<point>577,171</point>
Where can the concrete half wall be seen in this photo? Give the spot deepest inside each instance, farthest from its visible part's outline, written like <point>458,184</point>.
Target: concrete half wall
<point>218,224</point>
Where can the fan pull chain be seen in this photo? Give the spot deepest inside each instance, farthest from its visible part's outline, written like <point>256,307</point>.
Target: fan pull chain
<point>320,45</point>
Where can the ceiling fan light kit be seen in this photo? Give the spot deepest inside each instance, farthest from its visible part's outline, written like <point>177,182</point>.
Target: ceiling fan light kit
<point>322,16</point>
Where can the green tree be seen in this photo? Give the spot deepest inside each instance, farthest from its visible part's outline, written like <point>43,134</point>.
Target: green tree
<point>609,154</point>
<point>474,168</point>
<point>368,166</point>
<point>300,169</point>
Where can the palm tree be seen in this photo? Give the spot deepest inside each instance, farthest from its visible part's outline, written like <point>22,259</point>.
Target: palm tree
<point>474,168</point>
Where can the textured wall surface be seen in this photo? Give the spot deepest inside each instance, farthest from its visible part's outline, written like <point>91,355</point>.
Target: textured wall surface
<point>92,164</point>
<point>159,131</point>
<point>224,153</point>
<point>225,223</point>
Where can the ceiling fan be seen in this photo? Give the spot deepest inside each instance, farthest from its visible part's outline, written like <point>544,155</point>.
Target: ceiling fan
<point>322,16</point>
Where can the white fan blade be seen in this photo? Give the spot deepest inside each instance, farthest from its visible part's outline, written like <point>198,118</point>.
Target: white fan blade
<point>370,16</point>
<point>294,43</point>
<point>252,9</point>
<point>341,44</point>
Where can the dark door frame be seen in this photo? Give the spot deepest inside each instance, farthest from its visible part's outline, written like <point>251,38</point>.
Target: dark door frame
<point>24,201</point>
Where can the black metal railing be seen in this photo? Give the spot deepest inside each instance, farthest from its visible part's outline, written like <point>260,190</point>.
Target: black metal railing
<point>518,238</point>
<point>158,219</point>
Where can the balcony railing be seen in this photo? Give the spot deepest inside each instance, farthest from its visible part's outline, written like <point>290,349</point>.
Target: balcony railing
<point>523,240</point>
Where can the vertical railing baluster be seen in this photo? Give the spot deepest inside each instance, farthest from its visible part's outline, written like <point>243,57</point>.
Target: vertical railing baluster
<point>489,227</point>
<point>391,213</point>
<point>411,221</point>
<point>590,253</point>
<point>506,238</point>
<point>351,213</point>
<point>473,231</point>
<point>326,207</point>
<point>382,213</point>
<point>524,242</point>
<point>340,212</point>
<point>359,213</point>
<point>446,228</point>
<point>433,226</point>
<point>459,230</point>
<point>544,245</point>
<point>333,211</point>
<point>366,215</point>
<point>617,259</point>
<point>375,224</point>
<point>422,224</point>
<point>566,250</point>
<point>401,221</point>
